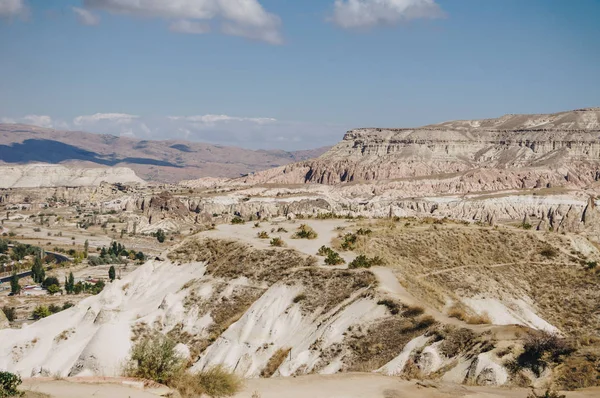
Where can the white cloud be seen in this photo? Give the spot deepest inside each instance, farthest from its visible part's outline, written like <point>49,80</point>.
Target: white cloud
<point>39,120</point>
<point>187,26</point>
<point>214,119</point>
<point>239,17</point>
<point>13,8</point>
<point>86,17</point>
<point>248,132</point>
<point>119,118</point>
<point>367,13</point>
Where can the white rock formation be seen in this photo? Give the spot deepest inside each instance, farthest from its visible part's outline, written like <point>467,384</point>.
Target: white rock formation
<point>49,175</point>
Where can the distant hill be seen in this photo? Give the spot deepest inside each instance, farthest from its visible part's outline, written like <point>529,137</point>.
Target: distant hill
<point>161,161</point>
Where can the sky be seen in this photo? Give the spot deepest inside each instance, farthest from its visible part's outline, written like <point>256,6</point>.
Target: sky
<point>290,74</point>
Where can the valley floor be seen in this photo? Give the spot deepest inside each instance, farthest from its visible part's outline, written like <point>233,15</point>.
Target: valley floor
<point>350,385</point>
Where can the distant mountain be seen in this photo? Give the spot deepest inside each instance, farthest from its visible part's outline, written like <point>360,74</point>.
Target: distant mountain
<point>162,161</point>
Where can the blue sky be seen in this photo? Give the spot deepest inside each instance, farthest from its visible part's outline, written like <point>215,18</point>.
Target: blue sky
<point>290,74</point>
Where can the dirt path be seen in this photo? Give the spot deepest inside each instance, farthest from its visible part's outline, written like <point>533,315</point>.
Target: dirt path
<point>363,385</point>
<point>78,389</point>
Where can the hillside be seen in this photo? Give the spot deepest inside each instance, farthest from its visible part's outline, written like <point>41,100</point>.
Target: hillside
<point>163,161</point>
<point>561,146</point>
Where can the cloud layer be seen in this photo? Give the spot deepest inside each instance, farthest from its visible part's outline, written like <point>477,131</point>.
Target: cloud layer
<point>248,132</point>
<point>13,8</point>
<point>368,13</point>
<point>86,17</point>
<point>245,18</point>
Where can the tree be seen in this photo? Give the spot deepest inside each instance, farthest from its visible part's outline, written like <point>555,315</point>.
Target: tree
<point>49,281</point>
<point>86,248</point>
<point>19,251</point>
<point>160,235</point>
<point>15,287</point>
<point>70,283</point>
<point>111,273</point>
<point>3,246</point>
<point>37,270</point>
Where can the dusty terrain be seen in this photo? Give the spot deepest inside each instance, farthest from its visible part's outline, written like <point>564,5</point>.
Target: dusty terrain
<point>464,253</point>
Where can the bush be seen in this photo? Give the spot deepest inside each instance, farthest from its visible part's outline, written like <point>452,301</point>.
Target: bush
<point>49,281</point>
<point>549,252</point>
<point>364,232</point>
<point>412,311</point>
<point>160,235</point>
<point>276,242</point>
<point>9,383</point>
<point>53,289</point>
<point>213,382</point>
<point>299,298</point>
<point>53,308</point>
<point>363,261</point>
<point>263,235</point>
<point>154,358</point>
<point>305,232</point>
<point>41,311</point>
<point>10,312</point>
<point>540,349</point>
<point>333,258</point>
<point>237,220</point>
<point>393,306</point>
<point>218,382</point>
<point>324,251</point>
<point>349,242</point>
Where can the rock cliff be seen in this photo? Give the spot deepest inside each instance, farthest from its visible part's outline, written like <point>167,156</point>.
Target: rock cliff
<point>564,147</point>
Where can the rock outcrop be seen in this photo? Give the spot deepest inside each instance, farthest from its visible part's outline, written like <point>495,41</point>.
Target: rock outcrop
<point>555,149</point>
<point>48,175</point>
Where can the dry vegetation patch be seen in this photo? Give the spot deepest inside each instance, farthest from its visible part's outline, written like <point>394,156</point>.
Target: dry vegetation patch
<point>326,288</point>
<point>231,259</point>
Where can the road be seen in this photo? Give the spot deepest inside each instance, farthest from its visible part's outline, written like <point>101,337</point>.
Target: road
<point>60,258</point>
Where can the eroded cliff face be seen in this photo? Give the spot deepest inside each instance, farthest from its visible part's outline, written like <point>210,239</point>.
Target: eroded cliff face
<point>564,145</point>
<point>47,175</point>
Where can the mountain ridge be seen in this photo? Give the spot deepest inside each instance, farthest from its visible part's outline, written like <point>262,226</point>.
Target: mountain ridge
<point>160,161</point>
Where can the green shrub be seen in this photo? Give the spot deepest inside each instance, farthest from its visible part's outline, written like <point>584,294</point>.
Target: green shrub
<point>349,241</point>
<point>363,232</point>
<point>154,358</point>
<point>305,232</point>
<point>238,220</point>
<point>360,261</point>
<point>333,258</point>
<point>9,383</point>
<point>363,261</point>
<point>263,235</point>
<point>324,251</point>
<point>41,311</point>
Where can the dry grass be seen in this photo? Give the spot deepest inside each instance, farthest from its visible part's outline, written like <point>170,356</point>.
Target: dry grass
<point>231,259</point>
<point>327,288</point>
<point>383,341</point>
<point>214,382</point>
<point>275,362</point>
